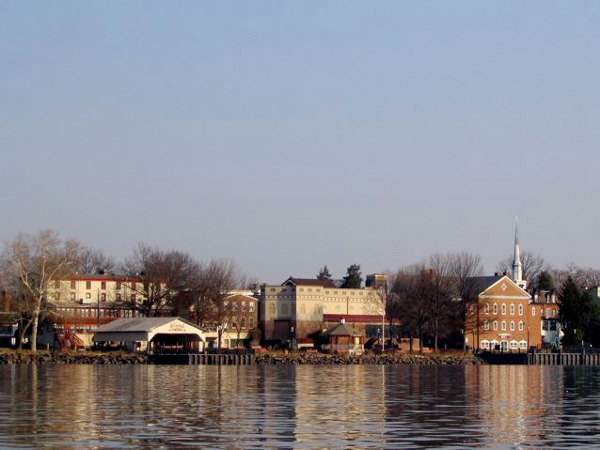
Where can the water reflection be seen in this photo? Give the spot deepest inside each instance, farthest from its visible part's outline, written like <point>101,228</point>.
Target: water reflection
<point>298,406</point>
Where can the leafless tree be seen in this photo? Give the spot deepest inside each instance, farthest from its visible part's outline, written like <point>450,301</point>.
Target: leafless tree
<point>29,264</point>
<point>214,281</point>
<point>411,296</point>
<point>158,275</point>
<point>463,267</point>
<point>584,277</point>
<point>531,264</point>
<point>93,261</point>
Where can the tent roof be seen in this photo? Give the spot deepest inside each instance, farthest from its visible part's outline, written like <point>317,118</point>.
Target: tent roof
<point>140,324</point>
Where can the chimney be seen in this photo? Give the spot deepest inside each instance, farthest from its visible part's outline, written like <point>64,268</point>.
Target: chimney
<point>5,301</point>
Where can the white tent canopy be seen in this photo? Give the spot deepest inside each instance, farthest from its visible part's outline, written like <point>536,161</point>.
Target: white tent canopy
<point>155,334</point>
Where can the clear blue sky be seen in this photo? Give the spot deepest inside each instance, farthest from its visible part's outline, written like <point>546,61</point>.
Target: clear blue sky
<point>289,135</point>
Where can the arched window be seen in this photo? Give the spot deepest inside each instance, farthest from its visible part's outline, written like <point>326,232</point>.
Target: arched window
<point>533,310</point>
<point>486,308</point>
<point>486,325</point>
<point>521,326</point>
<point>520,310</point>
<point>495,309</point>
<point>512,309</point>
<point>495,325</point>
<point>503,309</point>
<point>504,325</point>
<point>512,326</point>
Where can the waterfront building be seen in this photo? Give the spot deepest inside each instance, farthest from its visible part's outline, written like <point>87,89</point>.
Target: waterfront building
<point>79,304</point>
<point>300,307</point>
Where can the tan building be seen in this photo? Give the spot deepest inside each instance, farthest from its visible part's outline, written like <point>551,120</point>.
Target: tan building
<point>299,307</point>
<point>79,304</point>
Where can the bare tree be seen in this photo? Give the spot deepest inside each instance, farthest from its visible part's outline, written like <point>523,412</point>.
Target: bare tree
<point>583,277</point>
<point>30,263</point>
<point>157,275</point>
<point>93,261</point>
<point>411,297</point>
<point>211,286</point>
<point>463,267</point>
<point>532,266</point>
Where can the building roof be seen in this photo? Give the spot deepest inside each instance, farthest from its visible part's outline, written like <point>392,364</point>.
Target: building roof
<point>140,324</point>
<point>342,329</point>
<point>479,284</point>
<point>308,282</point>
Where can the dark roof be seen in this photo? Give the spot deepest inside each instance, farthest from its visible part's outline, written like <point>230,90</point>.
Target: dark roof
<point>477,285</point>
<point>308,282</point>
<point>342,329</point>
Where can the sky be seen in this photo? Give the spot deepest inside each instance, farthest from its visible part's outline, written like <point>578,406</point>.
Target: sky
<point>290,135</point>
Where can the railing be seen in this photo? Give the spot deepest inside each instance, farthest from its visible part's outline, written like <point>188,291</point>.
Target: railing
<point>564,359</point>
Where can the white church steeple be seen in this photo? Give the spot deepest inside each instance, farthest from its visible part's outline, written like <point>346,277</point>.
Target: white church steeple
<point>517,266</point>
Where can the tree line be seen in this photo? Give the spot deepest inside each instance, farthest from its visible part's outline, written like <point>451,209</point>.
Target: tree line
<point>29,264</point>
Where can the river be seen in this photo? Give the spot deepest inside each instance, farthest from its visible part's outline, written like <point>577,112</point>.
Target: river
<point>244,407</point>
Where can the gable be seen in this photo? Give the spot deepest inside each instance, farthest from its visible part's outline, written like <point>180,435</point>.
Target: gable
<point>505,288</point>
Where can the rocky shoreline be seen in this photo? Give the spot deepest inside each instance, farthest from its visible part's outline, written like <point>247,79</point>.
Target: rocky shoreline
<point>270,358</point>
<point>386,359</point>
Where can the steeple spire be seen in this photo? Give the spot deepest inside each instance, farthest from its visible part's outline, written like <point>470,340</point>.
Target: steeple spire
<point>517,266</point>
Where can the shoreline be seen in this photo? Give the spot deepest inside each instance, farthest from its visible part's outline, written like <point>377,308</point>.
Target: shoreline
<point>260,359</point>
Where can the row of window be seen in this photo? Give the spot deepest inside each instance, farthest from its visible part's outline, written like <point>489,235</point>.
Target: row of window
<point>88,285</point>
<point>250,307</point>
<point>88,296</point>
<point>486,325</point>
<point>486,310</point>
<point>242,323</point>
<point>504,345</point>
<point>94,312</point>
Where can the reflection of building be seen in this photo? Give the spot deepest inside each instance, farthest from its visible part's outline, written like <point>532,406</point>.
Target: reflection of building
<point>300,307</point>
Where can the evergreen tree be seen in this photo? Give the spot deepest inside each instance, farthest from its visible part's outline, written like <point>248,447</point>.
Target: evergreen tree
<point>545,282</point>
<point>353,279</point>
<point>578,314</point>
<point>324,273</point>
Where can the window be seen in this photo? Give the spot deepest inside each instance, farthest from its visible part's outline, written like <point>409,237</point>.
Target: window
<point>88,284</point>
<point>103,285</point>
<point>521,326</point>
<point>503,309</point>
<point>118,297</point>
<point>234,306</point>
<point>251,307</point>
<point>486,308</point>
<point>73,284</point>
<point>88,295</point>
<point>504,325</point>
<point>512,326</point>
<point>244,306</point>
<point>132,298</point>
<point>486,325</point>
<point>547,312</point>
<point>103,297</point>
<point>512,310</point>
<point>73,296</point>
<point>243,322</point>
<point>533,310</point>
<point>57,284</point>
<point>495,309</point>
<point>118,288</point>
<point>57,296</point>
<point>520,310</point>
<point>495,324</point>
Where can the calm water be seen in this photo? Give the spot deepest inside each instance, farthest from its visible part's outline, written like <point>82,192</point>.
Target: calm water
<point>298,407</point>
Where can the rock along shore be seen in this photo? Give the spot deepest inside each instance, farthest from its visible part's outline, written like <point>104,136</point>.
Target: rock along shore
<point>269,358</point>
<point>386,359</point>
